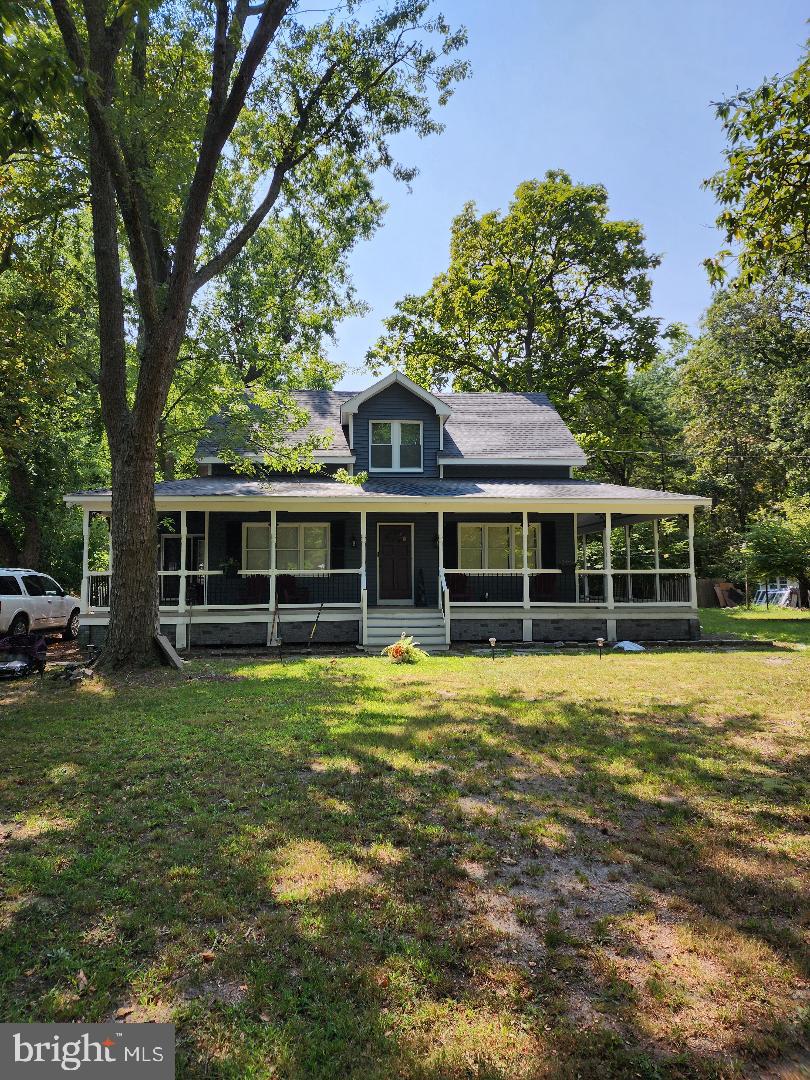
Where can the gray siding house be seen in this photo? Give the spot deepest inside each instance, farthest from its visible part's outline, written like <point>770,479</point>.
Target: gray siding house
<point>469,526</point>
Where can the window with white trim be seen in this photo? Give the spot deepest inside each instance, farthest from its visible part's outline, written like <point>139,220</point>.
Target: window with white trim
<point>395,446</point>
<point>302,546</point>
<point>255,547</point>
<point>497,547</point>
<point>299,546</point>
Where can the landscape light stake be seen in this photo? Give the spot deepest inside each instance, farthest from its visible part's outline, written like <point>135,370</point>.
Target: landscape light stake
<point>492,646</point>
<point>600,644</point>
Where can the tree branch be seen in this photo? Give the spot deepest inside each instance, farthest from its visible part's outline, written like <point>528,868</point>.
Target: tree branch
<point>104,48</point>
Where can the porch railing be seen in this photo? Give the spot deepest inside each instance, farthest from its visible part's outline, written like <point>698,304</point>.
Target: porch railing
<point>567,586</point>
<point>513,588</point>
<point>549,586</point>
<point>651,586</point>
<point>213,589</point>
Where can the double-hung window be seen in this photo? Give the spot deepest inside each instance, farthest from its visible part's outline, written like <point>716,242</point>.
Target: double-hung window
<point>395,446</point>
<point>255,547</point>
<point>497,547</point>
<point>299,546</point>
<point>302,546</point>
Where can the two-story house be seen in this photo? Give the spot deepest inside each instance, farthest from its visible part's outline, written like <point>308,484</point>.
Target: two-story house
<point>469,526</point>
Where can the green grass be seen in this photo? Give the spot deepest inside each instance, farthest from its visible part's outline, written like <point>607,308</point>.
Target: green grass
<point>764,624</point>
<point>340,868</point>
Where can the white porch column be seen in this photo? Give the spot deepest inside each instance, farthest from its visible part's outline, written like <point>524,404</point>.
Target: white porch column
<point>272,630</point>
<point>627,561</point>
<point>576,559</point>
<point>525,559</point>
<point>85,593</point>
<point>657,562</point>
<point>440,533</point>
<point>206,520</point>
<point>363,542</point>
<point>273,529</point>
<point>608,560</point>
<point>363,582</point>
<point>692,580</point>
<point>181,602</point>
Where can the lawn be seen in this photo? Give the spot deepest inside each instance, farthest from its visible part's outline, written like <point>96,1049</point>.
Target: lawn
<point>764,624</point>
<point>533,866</point>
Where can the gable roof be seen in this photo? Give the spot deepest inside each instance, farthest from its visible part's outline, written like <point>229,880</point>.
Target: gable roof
<point>507,426</point>
<point>478,427</point>
<point>353,403</point>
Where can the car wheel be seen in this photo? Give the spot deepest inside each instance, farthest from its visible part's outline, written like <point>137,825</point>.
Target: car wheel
<point>71,631</point>
<point>19,625</point>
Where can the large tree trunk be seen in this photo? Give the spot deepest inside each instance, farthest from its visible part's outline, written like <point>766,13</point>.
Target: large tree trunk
<point>134,614</point>
<point>9,552</point>
<point>804,591</point>
<point>24,500</point>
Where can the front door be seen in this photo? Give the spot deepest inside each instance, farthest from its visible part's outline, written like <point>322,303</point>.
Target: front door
<point>395,583</point>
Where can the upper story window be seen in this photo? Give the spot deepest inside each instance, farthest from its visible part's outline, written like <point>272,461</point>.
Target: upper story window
<point>395,446</point>
<point>497,547</point>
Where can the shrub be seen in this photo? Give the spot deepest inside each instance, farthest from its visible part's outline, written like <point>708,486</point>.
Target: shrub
<point>404,651</point>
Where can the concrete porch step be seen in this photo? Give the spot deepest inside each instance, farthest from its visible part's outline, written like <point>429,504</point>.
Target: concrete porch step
<point>385,625</point>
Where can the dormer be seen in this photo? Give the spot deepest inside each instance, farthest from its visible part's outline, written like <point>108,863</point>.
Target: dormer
<point>395,427</point>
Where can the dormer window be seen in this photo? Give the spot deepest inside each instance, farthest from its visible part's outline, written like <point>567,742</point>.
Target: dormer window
<point>396,446</point>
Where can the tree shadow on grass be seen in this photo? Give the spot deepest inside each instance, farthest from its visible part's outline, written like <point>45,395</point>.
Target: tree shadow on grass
<point>296,870</point>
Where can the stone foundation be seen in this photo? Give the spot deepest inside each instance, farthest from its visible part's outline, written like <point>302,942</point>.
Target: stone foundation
<point>568,629</point>
<point>483,629</point>
<point>346,632</point>
<point>657,629</point>
<point>96,633</point>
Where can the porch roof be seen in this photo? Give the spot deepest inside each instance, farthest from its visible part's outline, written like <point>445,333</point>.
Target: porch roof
<point>227,491</point>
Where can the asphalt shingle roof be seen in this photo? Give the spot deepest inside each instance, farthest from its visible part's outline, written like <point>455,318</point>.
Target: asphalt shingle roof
<point>325,488</point>
<point>480,425</point>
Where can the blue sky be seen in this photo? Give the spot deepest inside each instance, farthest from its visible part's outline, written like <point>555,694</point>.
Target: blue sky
<point>614,91</point>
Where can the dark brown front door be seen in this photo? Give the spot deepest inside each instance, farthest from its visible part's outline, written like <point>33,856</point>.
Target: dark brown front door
<point>396,576</point>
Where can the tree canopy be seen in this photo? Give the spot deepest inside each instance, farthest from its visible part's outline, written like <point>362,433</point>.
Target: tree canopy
<point>778,545</point>
<point>551,295</point>
<point>764,188</point>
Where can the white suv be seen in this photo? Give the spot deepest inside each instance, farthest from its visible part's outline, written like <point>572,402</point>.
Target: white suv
<point>32,601</point>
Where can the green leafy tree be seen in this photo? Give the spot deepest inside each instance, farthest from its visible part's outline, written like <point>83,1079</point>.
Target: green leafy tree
<point>743,399</point>
<point>50,430</point>
<point>778,545</point>
<point>764,188</point>
<point>635,427</point>
<point>200,122</point>
<point>260,332</point>
<point>552,295</point>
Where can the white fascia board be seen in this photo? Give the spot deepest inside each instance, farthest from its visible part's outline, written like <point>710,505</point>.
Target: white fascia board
<point>352,404</point>
<point>570,462</point>
<point>679,504</point>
